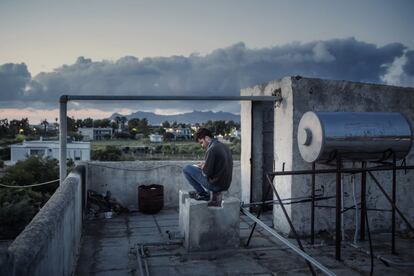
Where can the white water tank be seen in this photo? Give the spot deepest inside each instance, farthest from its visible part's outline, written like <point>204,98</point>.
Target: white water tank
<point>368,136</point>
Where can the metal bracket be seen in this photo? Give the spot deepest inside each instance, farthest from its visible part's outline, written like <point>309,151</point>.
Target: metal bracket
<point>277,93</point>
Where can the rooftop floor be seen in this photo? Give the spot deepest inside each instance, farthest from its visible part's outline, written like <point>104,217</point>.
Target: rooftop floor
<point>110,246</point>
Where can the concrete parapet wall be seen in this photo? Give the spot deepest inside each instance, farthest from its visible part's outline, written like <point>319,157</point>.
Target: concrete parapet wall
<point>50,243</point>
<point>123,178</point>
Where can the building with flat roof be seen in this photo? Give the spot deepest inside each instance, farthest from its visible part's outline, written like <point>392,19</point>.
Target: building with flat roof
<point>180,133</point>
<point>92,133</point>
<point>77,151</point>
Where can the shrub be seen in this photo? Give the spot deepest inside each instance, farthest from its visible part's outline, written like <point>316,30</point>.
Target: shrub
<point>33,170</point>
<point>15,216</point>
<point>122,135</point>
<point>5,153</point>
<point>110,153</point>
<point>19,205</point>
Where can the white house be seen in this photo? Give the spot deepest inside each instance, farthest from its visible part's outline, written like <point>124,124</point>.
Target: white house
<point>77,151</point>
<point>93,133</point>
<point>155,138</point>
<point>180,133</point>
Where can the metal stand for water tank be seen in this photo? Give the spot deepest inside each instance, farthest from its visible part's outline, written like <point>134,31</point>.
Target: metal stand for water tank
<point>339,170</point>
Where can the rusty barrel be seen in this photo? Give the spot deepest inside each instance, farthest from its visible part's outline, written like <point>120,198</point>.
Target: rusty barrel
<point>150,198</point>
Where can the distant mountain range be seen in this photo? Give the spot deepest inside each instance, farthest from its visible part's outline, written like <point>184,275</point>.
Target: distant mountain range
<point>187,118</point>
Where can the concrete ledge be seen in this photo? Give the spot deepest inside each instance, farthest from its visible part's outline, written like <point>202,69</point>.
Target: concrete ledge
<point>183,195</point>
<point>207,227</point>
<point>123,179</point>
<point>49,244</point>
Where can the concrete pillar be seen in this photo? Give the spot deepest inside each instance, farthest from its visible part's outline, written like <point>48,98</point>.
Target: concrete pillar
<point>207,227</point>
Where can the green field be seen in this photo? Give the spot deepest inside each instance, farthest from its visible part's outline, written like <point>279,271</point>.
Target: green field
<point>176,150</point>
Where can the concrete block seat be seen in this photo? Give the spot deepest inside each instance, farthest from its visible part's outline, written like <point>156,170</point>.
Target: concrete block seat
<point>209,227</point>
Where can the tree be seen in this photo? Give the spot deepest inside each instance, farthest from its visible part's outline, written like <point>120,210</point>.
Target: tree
<point>219,127</point>
<point>4,128</point>
<point>123,120</point>
<point>88,122</point>
<point>18,206</point>
<point>33,170</point>
<point>114,126</point>
<point>166,124</point>
<point>168,136</point>
<point>19,127</point>
<point>101,123</point>
<point>138,126</point>
<point>231,126</point>
<point>70,124</point>
<point>45,124</point>
<point>110,153</point>
<point>208,125</point>
<point>120,121</point>
<point>79,123</point>
<point>56,124</point>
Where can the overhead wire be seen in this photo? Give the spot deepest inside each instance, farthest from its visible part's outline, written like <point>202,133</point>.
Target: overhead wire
<point>28,186</point>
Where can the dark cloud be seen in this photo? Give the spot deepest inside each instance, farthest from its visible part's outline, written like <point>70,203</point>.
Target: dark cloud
<point>222,72</point>
<point>13,81</point>
<point>409,65</point>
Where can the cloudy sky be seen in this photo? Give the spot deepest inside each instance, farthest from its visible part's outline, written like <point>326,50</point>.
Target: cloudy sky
<point>130,47</point>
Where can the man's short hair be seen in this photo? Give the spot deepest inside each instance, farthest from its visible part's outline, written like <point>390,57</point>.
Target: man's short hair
<point>202,133</point>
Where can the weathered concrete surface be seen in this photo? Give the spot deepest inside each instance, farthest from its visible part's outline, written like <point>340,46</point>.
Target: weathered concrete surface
<point>50,243</point>
<point>207,227</point>
<point>123,179</point>
<point>183,195</point>
<point>246,147</point>
<point>109,247</point>
<point>301,95</point>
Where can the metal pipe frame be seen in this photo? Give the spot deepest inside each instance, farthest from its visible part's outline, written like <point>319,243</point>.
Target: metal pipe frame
<point>364,170</point>
<point>394,188</point>
<point>288,201</point>
<point>262,206</point>
<point>353,208</point>
<point>64,99</point>
<point>390,200</point>
<point>145,260</point>
<point>363,201</point>
<point>300,252</point>
<point>342,170</point>
<point>169,98</point>
<point>141,271</point>
<point>62,137</point>
<point>338,210</point>
<point>313,203</point>
<point>292,228</point>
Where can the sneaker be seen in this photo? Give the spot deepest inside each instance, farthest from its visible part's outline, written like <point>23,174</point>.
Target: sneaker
<point>216,199</point>
<point>202,196</point>
<point>192,194</point>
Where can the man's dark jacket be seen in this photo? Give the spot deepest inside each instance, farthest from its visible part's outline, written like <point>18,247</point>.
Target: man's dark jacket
<point>218,165</point>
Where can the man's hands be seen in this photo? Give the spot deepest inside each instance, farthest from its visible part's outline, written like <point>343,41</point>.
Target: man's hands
<point>199,164</point>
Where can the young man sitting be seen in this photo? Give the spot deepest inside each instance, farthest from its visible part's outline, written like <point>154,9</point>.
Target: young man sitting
<point>214,174</point>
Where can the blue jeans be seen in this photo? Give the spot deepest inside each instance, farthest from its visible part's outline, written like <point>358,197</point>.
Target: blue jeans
<point>196,179</point>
